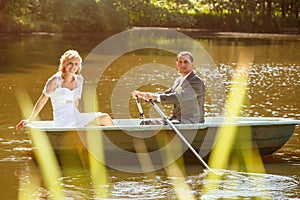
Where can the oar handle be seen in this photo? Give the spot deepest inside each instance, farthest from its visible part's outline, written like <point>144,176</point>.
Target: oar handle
<point>142,116</point>
<point>178,133</point>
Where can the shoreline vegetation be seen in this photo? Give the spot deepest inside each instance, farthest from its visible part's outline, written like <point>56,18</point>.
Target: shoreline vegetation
<point>114,16</point>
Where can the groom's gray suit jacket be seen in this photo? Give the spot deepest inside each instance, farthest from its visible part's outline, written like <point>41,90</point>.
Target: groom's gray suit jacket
<point>188,99</point>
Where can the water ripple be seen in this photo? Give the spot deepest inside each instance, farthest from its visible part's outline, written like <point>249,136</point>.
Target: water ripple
<point>231,185</point>
<point>234,185</point>
<point>143,188</point>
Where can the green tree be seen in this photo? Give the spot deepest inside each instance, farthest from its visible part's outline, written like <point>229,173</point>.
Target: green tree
<point>117,15</point>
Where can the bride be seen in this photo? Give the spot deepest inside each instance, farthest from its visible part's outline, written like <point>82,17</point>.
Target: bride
<point>64,89</point>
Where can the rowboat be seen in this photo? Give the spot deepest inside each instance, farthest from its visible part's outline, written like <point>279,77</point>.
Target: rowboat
<point>128,140</point>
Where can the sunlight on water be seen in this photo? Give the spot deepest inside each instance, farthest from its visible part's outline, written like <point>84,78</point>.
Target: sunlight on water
<point>233,185</point>
<point>78,187</point>
<point>279,80</point>
<point>144,189</point>
<point>140,187</point>
<point>15,149</point>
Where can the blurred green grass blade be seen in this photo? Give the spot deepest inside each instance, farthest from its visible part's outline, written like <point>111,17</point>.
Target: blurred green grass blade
<point>43,151</point>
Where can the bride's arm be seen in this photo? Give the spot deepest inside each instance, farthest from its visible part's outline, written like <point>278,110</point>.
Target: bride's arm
<point>48,89</point>
<point>38,106</point>
<point>36,110</point>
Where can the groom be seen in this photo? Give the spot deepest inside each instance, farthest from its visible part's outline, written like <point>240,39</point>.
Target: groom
<point>187,94</point>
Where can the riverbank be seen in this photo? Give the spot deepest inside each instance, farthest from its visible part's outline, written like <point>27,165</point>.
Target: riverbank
<point>208,33</point>
<point>194,33</point>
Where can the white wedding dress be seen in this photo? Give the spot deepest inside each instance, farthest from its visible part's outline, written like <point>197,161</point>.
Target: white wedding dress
<point>65,112</point>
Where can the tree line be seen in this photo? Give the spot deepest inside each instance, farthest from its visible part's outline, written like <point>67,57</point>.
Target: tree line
<point>118,15</point>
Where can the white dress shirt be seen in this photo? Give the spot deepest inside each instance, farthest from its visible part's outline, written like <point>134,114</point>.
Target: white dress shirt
<point>182,78</point>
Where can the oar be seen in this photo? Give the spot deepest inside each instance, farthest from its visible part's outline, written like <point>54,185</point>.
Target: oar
<point>162,114</point>
<point>140,108</point>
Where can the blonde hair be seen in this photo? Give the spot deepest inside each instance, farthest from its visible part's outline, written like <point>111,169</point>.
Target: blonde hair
<point>66,57</point>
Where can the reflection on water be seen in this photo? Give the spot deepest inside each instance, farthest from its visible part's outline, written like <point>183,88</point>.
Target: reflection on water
<point>232,185</point>
<point>235,185</point>
<point>273,92</point>
<point>272,89</point>
<point>143,187</point>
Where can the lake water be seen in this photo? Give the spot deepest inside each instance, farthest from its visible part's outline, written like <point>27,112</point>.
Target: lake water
<point>27,61</point>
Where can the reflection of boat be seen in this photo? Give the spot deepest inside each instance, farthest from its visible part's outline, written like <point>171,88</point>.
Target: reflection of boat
<point>268,134</point>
